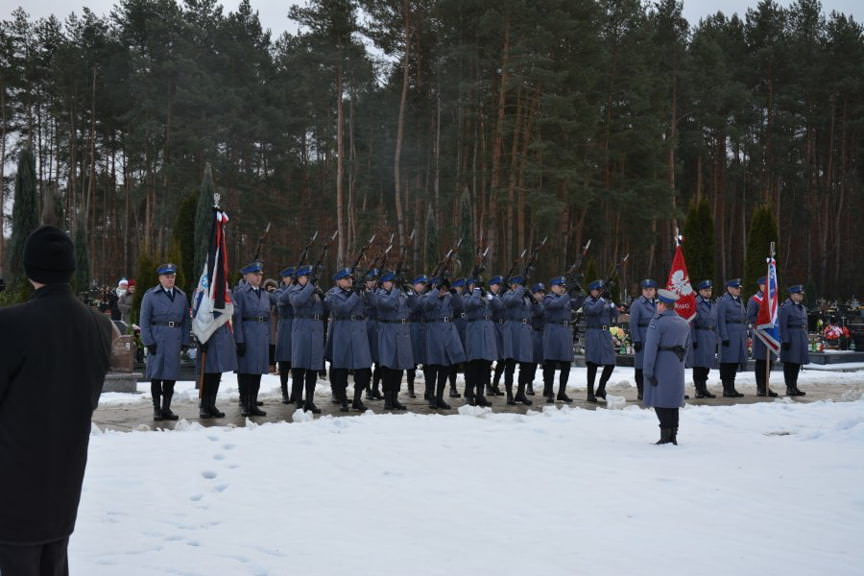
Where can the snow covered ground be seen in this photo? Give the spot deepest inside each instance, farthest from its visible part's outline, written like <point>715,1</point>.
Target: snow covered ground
<point>765,488</point>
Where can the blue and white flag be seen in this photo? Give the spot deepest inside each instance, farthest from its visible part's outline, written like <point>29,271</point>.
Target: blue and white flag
<point>213,306</point>
<point>767,329</point>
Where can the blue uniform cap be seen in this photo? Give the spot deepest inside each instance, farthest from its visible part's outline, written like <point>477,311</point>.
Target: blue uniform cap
<point>421,280</point>
<point>734,283</point>
<point>254,267</point>
<point>372,274</point>
<point>388,276</point>
<point>761,280</point>
<point>796,289</point>
<point>495,280</point>
<point>595,285</point>
<point>704,284</point>
<point>458,282</point>
<point>286,272</point>
<point>539,287</point>
<point>472,281</point>
<point>166,269</point>
<point>667,296</point>
<point>517,280</point>
<point>304,271</point>
<point>343,273</point>
<point>558,281</point>
<point>648,283</point>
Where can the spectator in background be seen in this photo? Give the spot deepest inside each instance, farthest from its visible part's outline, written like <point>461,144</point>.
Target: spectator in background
<point>124,301</point>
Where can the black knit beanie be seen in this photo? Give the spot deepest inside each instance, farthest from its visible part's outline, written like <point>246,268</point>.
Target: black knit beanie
<point>49,256</point>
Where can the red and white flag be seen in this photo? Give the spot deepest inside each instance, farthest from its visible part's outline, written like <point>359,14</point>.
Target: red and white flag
<point>679,282</point>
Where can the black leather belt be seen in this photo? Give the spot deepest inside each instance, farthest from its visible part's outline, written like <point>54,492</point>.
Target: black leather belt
<point>309,316</point>
<point>705,328</point>
<point>559,322</point>
<point>286,316</point>
<point>265,318</point>
<point>734,321</point>
<point>479,319</point>
<point>169,323</point>
<point>402,321</point>
<point>352,317</point>
<point>641,325</point>
<point>603,327</point>
<point>444,319</point>
<point>796,327</point>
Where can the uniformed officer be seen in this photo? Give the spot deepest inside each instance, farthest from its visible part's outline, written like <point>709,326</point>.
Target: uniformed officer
<point>349,338</point>
<point>538,322</point>
<point>666,344</point>
<point>443,345</point>
<point>520,348</point>
<point>761,354</point>
<point>220,355</point>
<point>703,337</point>
<point>283,332</point>
<point>457,288</point>
<point>395,352</point>
<point>558,308</point>
<point>165,332</point>
<point>794,352</point>
<point>307,338</point>
<point>481,343</point>
<point>600,314</point>
<point>732,332</point>
<point>642,310</point>
<point>369,290</point>
<point>418,337</point>
<point>252,336</point>
<point>499,319</point>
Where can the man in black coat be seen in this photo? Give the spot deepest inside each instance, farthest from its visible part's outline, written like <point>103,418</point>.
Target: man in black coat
<point>55,354</point>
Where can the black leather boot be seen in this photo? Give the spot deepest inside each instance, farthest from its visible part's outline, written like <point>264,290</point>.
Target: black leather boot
<point>665,436</point>
<point>157,405</point>
<point>508,388</point>
<point>520,394</point>
<point>591,397</point>
<point>253,400</point>
<point>601,390</point>
<point>167,414</point>
<point>439,394</point>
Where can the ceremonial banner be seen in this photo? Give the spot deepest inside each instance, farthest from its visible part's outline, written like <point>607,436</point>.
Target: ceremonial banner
<point>213,306</point>
<point>679,282</point>
<point>766,321</point>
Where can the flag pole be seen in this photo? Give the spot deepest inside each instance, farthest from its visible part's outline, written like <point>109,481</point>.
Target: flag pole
<point>768,348</point>
<point>202,350</point>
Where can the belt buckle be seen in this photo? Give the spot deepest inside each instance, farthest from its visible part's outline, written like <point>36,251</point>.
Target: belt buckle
<point>171,324</point>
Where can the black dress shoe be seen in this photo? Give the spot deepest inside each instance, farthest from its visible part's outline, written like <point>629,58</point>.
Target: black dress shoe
<point>255,411</point>
<point>157,414</point>
<point>399,406</point>
<point>442,405</point>
<point>216,413</point>
<point>167,414</point>
<point>454,393</point>
<point>358,406</point>
<point>482,401</point>
<point>529,391</point>
<point>309,407</point>
<point>564,398</point>
<point>524,400</point>
<point>591,398</point>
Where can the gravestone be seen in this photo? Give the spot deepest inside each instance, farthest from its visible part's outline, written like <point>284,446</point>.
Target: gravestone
<point>121,377</point>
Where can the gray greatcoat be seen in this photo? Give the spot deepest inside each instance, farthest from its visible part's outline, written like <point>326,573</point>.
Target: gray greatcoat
<point>518,304</point>
<point>663,369</point>
<point>481,335</point>
<point>792,319</point>
<point>284,327</point>
<point>252,328</point>
<point>395,349</point>
<point>599,315</point>
<point>557,333</point>
<point>731,326</point>
<point>166,322</point>
<point>703,335</point>
<point>538,322</point>
<point>502,332</point>
<point>443,345</point>
<point>760,351</point>
<point>349,340</point>
<point>418,328</point>
<point>371,310</point>
<point>307,328</point>
<point>642,310</point>
<point>221,355</point>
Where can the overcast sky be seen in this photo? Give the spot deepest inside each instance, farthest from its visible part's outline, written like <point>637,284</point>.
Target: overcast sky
<point>274,13</point>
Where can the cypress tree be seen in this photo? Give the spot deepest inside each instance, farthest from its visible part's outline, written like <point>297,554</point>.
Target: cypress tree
<point>699,242</point>
<point>763,231</point>
<point>25,219</point>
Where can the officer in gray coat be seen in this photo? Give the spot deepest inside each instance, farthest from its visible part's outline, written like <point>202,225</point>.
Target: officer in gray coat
<point>369,291</point>
<point>761,354</point>
<point>307,338</point>
<point>599,314</point>
<point>252,336</point>
<point>558,309</point>
<point>732,332</point>
<point>481,343</point>
<point>538,323</point>
<point>457,288</point>
<point>283,332</point>
<point>703,336</point>
<point>518,303</point>
<point>220,355</point>
<point>666,344</point>
<point>642,310</point>
<point>395,352</point>
<point>499,318</point>
<point>165,331</point>
<point>792,318</point>
<point>349,338</point>
<point>443,345</point>
<point>418,335</point>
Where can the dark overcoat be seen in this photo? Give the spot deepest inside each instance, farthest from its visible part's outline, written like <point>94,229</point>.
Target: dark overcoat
<point>443,345</point>
<point>395,350</point>
<point>418,328</point>
<point>349,341</point>
<point>642,310</point>
<point>371,311</point>
<point>55,354</point>
<point>759,350</point>
<point>732,327</point>
<point>792,319</point>
<point>481,336</point>
<point>703,335</point>
<point>252,327</point>
<point>221,354</point>
<point>284,326</point>
<point>663,368</point>
<point>518,306</point>
<point>557,331</point>
<point>538,322</point>
<point>166,322</point>
<point>499,319</point>
<point>307,328</point>
<point>599,315</point>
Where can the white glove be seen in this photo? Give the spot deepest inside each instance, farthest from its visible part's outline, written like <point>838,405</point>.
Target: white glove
<point>489,297</point>
<point>612,306</point>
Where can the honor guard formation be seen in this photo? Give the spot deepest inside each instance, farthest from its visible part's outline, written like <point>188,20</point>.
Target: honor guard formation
<point>378,327</point>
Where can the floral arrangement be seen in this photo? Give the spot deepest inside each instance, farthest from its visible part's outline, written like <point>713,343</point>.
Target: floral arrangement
<point>619,337</point>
